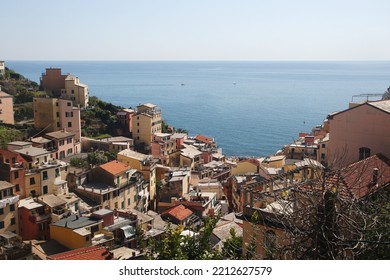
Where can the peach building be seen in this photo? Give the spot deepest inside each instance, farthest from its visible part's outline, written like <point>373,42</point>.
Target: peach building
<point>67,86</point>
<point>6,108</point>
<point>64,143</point>
<point>359,132</point>
<point>53,114</point>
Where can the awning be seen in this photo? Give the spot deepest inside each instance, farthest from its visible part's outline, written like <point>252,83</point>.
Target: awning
<point>128,231</point>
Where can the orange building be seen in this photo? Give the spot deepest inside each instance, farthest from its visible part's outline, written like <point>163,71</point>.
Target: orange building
<point>6,108</point>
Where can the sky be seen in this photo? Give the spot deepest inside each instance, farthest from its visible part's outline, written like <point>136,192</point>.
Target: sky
<point>195,30</point>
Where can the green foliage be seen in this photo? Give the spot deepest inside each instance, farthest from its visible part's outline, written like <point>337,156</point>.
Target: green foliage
<point>174,246</point>
<point>232,247</point>
<point>100,118</point>
<point>24,111</point>
<point>97,158</point>
<point>8,135</point>
<point>79,162</point>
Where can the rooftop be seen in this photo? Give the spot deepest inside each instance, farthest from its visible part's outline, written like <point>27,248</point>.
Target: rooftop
<point>103,212</point>
<point>59,134</point>
<point>75,222</point>
<point>3,94</point>
<point>383,105</point>
<point>179,212</point>
<point>29,203</point>
<point>5,185</point>
<point>190,152</point>
<point>115,167</point>
<point>33,151</point>
<point>40,140</point>
<point>133,154</point>
<point>89,253</point>
<point>51,200</point>
<point>204,139</point>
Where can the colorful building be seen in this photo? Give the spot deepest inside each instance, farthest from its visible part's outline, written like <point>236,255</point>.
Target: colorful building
<point>54,114</point>
<point>8,208</point>
<point>146,121</point>
<point>6,108</point>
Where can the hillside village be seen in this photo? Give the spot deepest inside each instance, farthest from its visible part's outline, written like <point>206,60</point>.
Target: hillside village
<point>72,188</point>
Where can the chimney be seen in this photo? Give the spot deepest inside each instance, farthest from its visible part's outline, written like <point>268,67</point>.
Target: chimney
<point>375,174</point>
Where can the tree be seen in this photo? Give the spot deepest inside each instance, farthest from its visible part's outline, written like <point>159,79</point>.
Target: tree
<point>343,214</point>
<point>174,246</point>
<point>97,158</point>
<point>232,247</point>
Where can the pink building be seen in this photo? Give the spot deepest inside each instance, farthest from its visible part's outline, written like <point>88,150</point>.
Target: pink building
<point>359,132</point>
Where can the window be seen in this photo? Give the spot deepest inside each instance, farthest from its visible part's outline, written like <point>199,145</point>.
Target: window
<point>45,190</point>
<point>87,238</point>
<point>128,202</point>
<point>323,146</point>
<point>1,211</point>
<point>62,142</point>
<point>1,224</point>
<point>57,172</point>
<point>69,103</point>
<point>12,207</point>
<point>32,181</point>
<point>137,123</point>
<point>58,114</point>
<point>70,151</point>
<point>69,124</point>
<point>13,221</point>
<point>69,141</point>
<point>364,153</point>
<point>73,91</point>
<point>17,188</point>
<point>16,174</point>
<point>58,124</point>
<point>123,204</point>
<point>13,160</point>
<point>44,175</point>
<point>57,104</point>
<point>322,156</point>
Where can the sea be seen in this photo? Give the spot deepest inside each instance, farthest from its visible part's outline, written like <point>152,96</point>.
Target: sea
<point>251,108</point>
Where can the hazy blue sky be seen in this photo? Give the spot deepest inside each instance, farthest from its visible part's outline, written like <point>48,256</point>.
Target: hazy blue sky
<point>195,30</point>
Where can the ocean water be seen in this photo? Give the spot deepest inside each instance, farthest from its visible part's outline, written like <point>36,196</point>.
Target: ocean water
<point>250,108</point>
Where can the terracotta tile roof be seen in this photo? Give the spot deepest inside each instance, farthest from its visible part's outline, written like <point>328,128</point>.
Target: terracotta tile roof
<point>204,139</point>
<point>115,167</point>
<point>89,253</point>
<point>179,212</point>
<point>357,179</point>
<point>359,176</point>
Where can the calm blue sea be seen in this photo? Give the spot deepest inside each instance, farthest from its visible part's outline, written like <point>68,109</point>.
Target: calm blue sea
<point>251,108</point>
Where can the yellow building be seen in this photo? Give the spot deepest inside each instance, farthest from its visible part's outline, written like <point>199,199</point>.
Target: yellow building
<point>6,108</point>
<point>250,166</point>
<point>8,208</point>
<point>43,175</point>
<point>54,114</point>
<point>146,121</point>
<point>115,185</point>
<point>144,163</point>
<point>76,232</point>
<point>75,91</point>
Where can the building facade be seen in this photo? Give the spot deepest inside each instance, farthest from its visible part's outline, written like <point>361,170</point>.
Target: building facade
<point>359,132</point>
<point>146,121</point>
<point>53,114</point>
<point>8,209</point>
<point>6,108</point>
